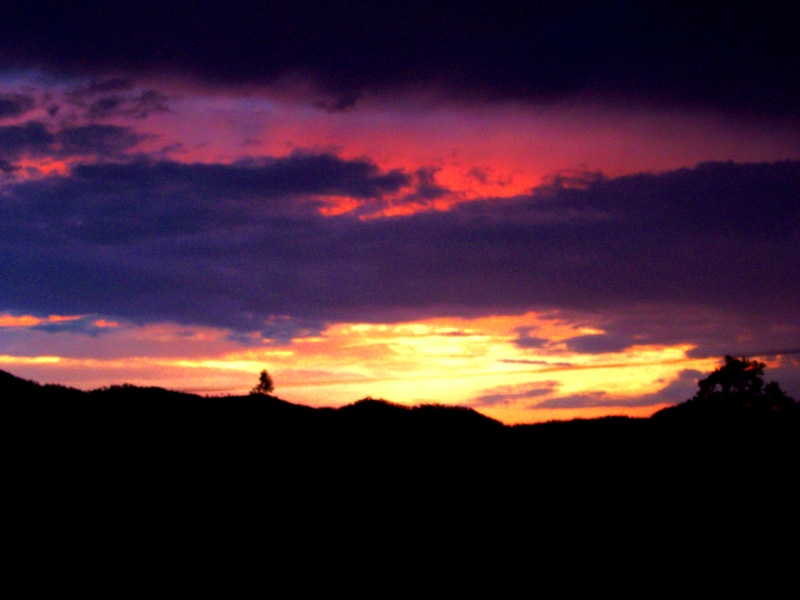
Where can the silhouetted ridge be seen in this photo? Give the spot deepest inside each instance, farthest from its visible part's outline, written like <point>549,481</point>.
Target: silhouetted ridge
<point>375,407</point>
<point>12,384</point>
<point>127,391</point>
<point>150,457</point>
<point>13,387</point>
<point>430,418</point>
<point>732,404</point>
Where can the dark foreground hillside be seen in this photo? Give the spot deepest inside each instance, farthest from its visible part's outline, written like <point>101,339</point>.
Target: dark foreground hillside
<point>243,430</point>
<point>126,485</point>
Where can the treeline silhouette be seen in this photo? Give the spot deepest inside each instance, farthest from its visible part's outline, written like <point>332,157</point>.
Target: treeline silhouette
<point>144,472</point>
<point>734,414</point>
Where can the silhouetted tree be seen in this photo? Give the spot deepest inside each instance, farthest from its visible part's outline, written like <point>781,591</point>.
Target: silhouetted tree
<point>265,385</point>
<point>739,383</point>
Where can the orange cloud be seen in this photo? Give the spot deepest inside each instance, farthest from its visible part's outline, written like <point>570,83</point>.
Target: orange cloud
<point>23,321</point>
<point>30,321</point>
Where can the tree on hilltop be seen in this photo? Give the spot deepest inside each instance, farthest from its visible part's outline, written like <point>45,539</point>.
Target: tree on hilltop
<point>265,385</point>
<point>739,383</point>
<point>734,390</point>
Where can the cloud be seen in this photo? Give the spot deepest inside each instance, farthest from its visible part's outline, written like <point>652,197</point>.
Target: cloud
<point>423,192</point>
<point>697,256</point>
<point>14,105</point>
<point>146,237</point>
<point>585,400</point>
<point>32,137</point>
<point>676,391</point>
<point>526,340</point>
<point>645,52</point>
<point>138,106</point>
<point>338,102</point>
<point>95,140</point>
<point>114,203</point>
<point>511,394</point>
<point>712,331</point>
<point>7,167</point>
<point>280,330</point>
<point>110,98</point>
<point>105,86</point>
<point>599,343</point>
<point>545,363</point>
<point>680,389</point>
<point>35,139</point>
<point>84,325</point>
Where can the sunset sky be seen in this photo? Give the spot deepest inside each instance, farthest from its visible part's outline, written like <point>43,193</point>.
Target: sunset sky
<point>542,213</point>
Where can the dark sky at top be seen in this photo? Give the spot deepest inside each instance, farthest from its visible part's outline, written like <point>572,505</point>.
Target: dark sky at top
<point>740,57</point>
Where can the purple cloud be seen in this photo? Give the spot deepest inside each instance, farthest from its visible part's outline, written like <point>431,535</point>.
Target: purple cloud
<point>14,105</point>
<point>511,394</point>
<point>681,257</point>
<point>35,139</point>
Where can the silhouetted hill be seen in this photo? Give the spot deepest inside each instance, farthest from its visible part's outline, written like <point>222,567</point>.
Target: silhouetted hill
<point>125,392</point>
<point>128,420</point>
<point>140,461</point>
<point>14,385</point>
<point>386,416</point>
<point>380,420</point>
<point>725,410</point>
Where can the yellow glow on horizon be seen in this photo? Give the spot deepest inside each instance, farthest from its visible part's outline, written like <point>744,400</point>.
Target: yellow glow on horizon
<point>248,366</point>
<point>29,360</point>
<point>514,415</point>
<point>448,360</point>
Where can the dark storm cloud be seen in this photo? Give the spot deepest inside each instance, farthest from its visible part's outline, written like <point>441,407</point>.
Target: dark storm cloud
<point>424,191</point>
<point>94,140</point>
<point>109,85</point>
<point>741,56</point>
<point>282,330</point>
<point>32,137</point>
<point>7,167</point>
<point>35,139</point>
<point>115,97</point>
<point>701,256</point>
<point>84,325</point>
<point>14,105</point>
<point>427,186</point>
<point>139,106</point>
<point>338,102</point>
<point>712,332</point>
<point>117,203</point>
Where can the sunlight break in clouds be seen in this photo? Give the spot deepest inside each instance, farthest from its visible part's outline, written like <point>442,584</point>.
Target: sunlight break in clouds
<point>452,361</point>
